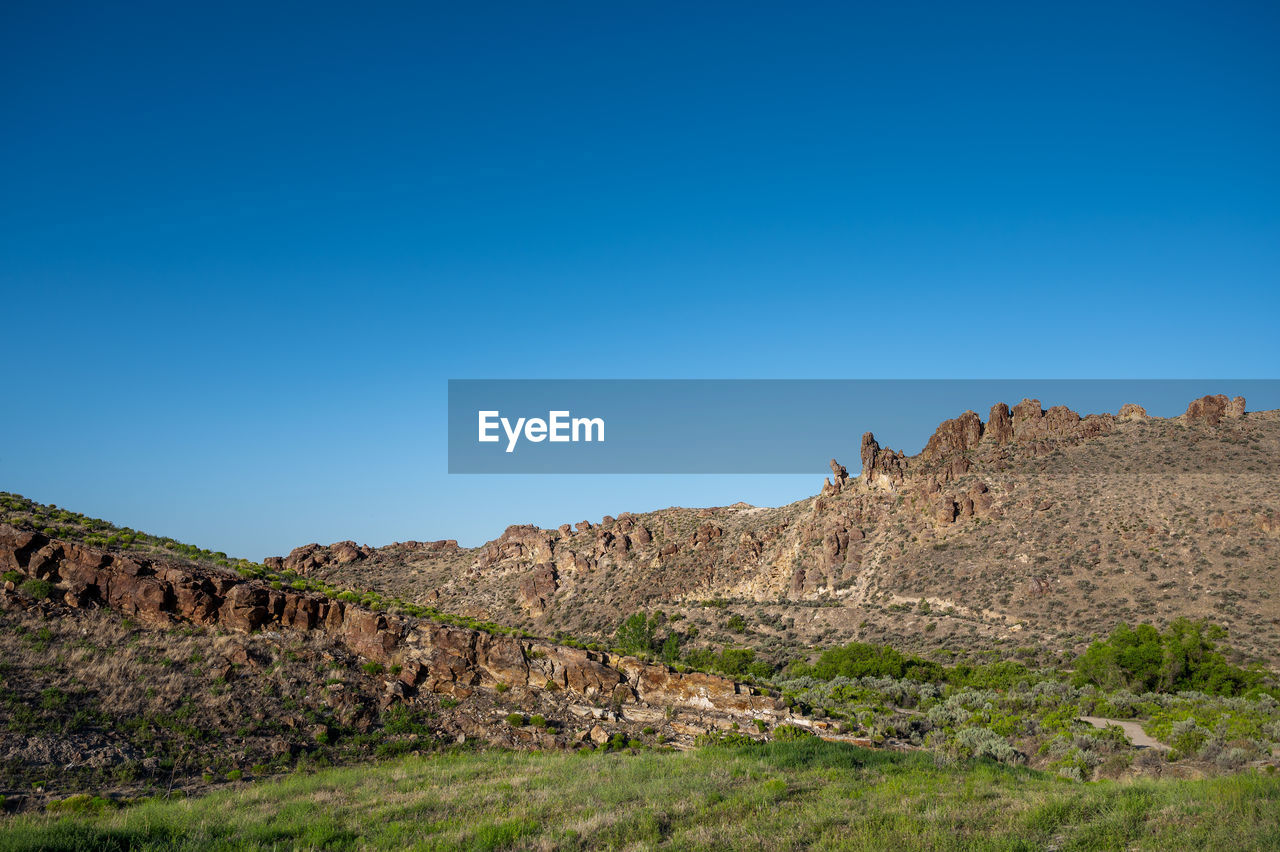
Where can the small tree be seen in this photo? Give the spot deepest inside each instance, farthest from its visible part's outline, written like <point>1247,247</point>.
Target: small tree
<point>671,648</point>
<point>635,635</point>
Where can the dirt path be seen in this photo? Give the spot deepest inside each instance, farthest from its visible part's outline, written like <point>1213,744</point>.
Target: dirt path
<point>1132,730</point>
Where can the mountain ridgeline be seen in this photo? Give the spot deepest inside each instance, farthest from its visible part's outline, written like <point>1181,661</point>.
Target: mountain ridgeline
<point>1033,531</point>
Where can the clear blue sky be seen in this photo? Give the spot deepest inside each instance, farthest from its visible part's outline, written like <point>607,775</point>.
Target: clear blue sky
<point>245,245</point>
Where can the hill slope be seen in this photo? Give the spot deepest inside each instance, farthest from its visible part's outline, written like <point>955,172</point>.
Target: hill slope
<point>1034,530</point>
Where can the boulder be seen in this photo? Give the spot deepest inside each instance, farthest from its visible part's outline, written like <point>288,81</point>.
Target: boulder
<point>245,608</point>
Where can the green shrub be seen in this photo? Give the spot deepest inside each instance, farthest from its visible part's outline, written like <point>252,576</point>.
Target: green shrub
<point>538,720</point>
<point>38,589</point>
<point>1183,658</point>
<point>983,742</point>
<point>80,803</point>
<point>1187,737</point>
<point>790,733</point>
<point>516,720</point>
<point>14,577</point>
<point>723,738</point>
<point>635,635</point>
<point>403,719</point>
<point>372,669</point>
<point>858,659</point>
<point>734,662</point>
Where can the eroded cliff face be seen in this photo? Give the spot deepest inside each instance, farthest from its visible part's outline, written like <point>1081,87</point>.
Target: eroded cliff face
<point>427,656</point>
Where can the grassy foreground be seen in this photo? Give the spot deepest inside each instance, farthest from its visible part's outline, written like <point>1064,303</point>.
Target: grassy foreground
<point>806,794</point>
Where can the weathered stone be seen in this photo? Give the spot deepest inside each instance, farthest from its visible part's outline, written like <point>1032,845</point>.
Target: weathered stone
<point>245,608</point>
<point>883,468</point>
<point>999,426</point>
<point>538,586</point>
<point>954,437</point>
<point>1211,409</point>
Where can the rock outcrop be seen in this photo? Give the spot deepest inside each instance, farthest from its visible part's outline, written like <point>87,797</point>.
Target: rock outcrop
<point>954,437</point>
<point>881,467</point>
<point>307,558</point>
<point>839,476</point>
<point>1212,409</point>
<point>427,655</point>
<point>538,586</point>
<point>1000,424</point>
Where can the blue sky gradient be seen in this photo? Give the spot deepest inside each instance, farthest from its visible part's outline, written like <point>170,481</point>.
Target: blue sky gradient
<point>245,247</point>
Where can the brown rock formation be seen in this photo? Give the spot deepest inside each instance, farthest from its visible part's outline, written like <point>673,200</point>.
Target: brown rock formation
<point>307,558</point>
<point>432,656</point>
<point>1000,424</point>
<point>1211,409</point>
<point>839,476</point>
<point>884,468</point>
<point>538,586</point>
<point>943,510</point>
<point>954,437</point>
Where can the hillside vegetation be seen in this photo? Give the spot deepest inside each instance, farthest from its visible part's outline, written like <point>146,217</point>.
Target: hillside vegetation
<point>983,615</point>
<point>779,796</point>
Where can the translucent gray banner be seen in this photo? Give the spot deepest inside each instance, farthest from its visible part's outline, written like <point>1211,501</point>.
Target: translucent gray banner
<point>754,426</point>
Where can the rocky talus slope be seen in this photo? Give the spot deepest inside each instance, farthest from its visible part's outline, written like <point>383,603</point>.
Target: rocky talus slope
<point>593,694</point>
<point>1033,529</point>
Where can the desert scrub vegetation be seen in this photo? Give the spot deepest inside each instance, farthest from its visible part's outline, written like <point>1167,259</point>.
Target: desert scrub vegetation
<point>1185,657</point>
<point>1039,722</point>
<point>95,532</point>
<point>775,796</point>
<point>1013,714</point>
<point>95,704</point>
<point>654,638</point>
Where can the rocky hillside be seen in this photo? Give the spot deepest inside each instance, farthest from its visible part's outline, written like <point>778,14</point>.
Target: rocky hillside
<point>139,664</point>
<point>125,672</point>
<point>1025,533</point>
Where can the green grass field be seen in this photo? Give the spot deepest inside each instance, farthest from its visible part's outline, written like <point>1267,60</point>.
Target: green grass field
<point>795,795</point>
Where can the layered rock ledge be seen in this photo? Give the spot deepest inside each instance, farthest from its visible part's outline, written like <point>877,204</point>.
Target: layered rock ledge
<point>427,655</point>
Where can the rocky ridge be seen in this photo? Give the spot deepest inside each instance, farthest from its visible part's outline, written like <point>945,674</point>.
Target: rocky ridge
<point>608,692</point>
<point>836,563</point>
